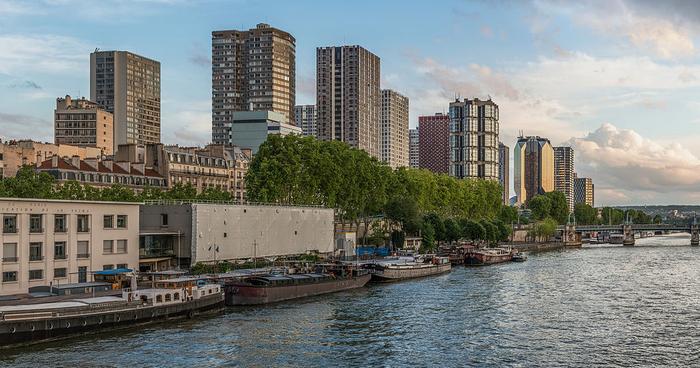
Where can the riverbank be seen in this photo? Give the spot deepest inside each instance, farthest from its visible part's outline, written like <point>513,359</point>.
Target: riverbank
<point>536,247</point>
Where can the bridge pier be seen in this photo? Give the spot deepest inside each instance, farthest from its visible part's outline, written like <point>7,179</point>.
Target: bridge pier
<point>571,237</point>
<point>694,234</point>
<point>628,233</point>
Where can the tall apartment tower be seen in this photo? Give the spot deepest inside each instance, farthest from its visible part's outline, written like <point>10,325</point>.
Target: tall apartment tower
<point>348,98</point>
<point>252,70</point>
<point>584,191</point>
<point>305,118</point>
<point>564,173</point>
<point>434,143</point>
<point>83,123</point>
<point>474,139</point>
<point>394,124</point>
<point>128,86</point>
<point>504,171</point>
<point>413,148</point>
<point>533,160</point>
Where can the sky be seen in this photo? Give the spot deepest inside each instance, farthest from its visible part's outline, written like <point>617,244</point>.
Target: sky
<point>618,80</point>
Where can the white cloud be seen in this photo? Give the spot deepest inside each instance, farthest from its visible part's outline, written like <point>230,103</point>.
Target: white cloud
<point>22,54</point>
<point>186,123</point>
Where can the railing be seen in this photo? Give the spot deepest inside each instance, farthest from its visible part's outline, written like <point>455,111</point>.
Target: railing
<point>10,259</point>
<point>83,255</point>
<point>232,202</point>
<point>36,258</point>
<point>59,256</point>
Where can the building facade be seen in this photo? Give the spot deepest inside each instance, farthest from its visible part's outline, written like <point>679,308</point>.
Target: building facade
<point>54,242</point>
<point>533,160</point>
<point>474,139</point>
<point>394,128</point>
<point>249,129</point>
<point>15,154</point>
<point>253,70</point>
<point>128,86</point>
<point>348,97</point>
<point>413,148</point>
<point>564,173</point>
<point>584,191</point>
<point>504,171</point>
<point>305,118</point>
<point>218,232</point>
<point>83,123</point>
<point>434,151</point>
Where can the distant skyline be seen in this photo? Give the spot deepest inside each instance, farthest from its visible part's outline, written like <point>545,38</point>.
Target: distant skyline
<point>618,80</point>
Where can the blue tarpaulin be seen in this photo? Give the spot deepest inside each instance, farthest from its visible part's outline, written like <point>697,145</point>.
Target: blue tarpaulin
<point>373,251</point>
<point>117,271</point>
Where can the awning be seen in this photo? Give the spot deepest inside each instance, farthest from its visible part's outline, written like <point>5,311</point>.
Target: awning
<point>117,271</point>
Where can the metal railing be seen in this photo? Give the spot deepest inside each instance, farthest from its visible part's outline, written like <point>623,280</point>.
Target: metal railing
<point>150,202</point>
<point>83,255</point>
<point>10,259</point>
<point>36,258</point>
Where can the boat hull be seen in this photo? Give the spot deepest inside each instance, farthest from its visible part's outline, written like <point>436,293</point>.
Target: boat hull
<point>35,330</point>
<point>242,294</point>
<point>481,259</point>
<point>398,274</point>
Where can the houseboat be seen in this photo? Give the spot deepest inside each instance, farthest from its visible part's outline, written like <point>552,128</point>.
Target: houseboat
<point>172,298</point>
<point>280,286</point>
<point>487,256</point>
<point>419,267</point>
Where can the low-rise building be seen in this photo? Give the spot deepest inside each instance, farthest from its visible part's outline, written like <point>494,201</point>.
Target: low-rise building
<point>17,153</point>
<point>250,129</point>
<point>203,232</point>
<point>49,243</point>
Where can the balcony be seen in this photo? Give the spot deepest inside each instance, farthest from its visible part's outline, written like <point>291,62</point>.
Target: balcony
<point>83,255</point>
<point>59,257</point>
<point>10,259</point>
<point>36,258</point>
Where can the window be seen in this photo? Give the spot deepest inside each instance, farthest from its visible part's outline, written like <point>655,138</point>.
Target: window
<point>9,252</point>
<point>108,221</point>
<point>35,224</point>
<point>35,253</point>
<point>122,265</point>
<point>168,298</point>
<point>9,224</point>
<point>107,267</point>
<point>121,221</point>
<point>107,246</point>
<point>59,250</point>
<point>163,219</point>
<point>10,276</point>
<point>83,249</point>
<point>59,223</point>
<point>59,272</point>
<point>36,274</point>
<point>83,223</point>
<point>121,246</point>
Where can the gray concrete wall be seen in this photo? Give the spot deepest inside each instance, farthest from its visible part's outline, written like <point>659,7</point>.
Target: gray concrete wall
<point>179,219</point>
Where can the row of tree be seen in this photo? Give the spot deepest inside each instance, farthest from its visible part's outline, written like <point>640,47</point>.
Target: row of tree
<point>587,215</point>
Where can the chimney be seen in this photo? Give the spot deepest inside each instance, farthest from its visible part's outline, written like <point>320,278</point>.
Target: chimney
<point>108,164</point>
<point>75,161</point>
<point>92,162</point>
<point>54,161</point>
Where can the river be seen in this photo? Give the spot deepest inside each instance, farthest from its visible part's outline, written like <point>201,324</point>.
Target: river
<point>604,305</point>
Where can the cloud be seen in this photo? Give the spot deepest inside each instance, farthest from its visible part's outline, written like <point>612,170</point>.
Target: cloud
<point>622,162</point>
<point>187,123</point>
<point>306,88</point>
<point>26,54</point>
<point>27,84</point>
<point>18,126</point>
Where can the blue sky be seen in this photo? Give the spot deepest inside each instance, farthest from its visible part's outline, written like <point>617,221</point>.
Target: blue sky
<point>618,79</point>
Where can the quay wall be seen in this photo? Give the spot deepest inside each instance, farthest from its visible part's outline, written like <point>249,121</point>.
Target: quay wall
<point>536,247</point>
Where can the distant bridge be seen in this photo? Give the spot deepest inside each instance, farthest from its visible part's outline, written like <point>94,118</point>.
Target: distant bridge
<point>572,232</point>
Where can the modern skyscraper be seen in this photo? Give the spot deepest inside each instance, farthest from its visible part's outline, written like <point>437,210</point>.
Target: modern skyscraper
<point>348,98</point>
<point>252,70</point>
<point>503,171</point>
<point>584,191</point>
<point>434,143</point>
<point>83,123</point>
<point>394,132</point>
<point>564,173</point>
<point>413,148</point>
<point>474,139</point>
<point>128,86</point>
<point>305,118</point>
<point>533,160</point>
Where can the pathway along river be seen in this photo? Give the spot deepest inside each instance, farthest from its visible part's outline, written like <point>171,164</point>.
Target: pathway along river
<point>606,305</point>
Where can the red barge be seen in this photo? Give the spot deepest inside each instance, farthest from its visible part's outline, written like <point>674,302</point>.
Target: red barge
<point>487,256</point>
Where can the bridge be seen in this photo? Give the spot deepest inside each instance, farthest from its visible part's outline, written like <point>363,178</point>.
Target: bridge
<point>572,232</point>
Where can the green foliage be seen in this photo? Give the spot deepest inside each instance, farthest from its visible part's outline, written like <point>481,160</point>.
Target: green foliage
<point>540,206</point>
<point>438,225</point>
<point>504,230</point>
<point>453,231</point>
<point>551,204</point>
<point>473,230</point>
<point>428,240</point>
<point>118,193</point>
<point>204,268</point>
<point>403,211</point>
<point>544,229</point>
<point>657,219</point>
<point>585,214</point>
<point>214,194</point>
<point>508,214</point>
<point>613,216</point>
<point>28,184</point>
<point>181,191</point>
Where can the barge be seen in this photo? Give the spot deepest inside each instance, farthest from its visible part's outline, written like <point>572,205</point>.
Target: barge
<point>487,256</point>
<point>390,272</point>
<point>175,298</point>
<point>271,288</point>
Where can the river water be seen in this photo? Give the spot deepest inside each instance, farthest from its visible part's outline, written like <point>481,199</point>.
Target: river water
<point>605,306</point>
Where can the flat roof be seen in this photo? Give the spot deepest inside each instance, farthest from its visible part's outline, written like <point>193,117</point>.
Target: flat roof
<point>81,285</point>
<point>32,307</point>
<point>66,201</point>
<point>101,299</point>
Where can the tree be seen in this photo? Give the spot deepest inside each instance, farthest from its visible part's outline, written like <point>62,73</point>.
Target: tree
<point>403,211</point>
<point>657,219</point>
<point>428,240</point>
<point>585,214</point>
<point>508,214</point>
<point>29,184</point>
<point>452,230</point>
<point>181,191</point>
<point>118,193</point>
<point>541,207</point>
<point>438,225</point>
<point>473,230</point>
<point>214,194</point>
<point>544,229</point>
<point>559,210</point>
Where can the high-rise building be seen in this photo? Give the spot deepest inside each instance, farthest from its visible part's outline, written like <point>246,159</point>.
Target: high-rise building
<point>128,86</point>
<point>305,118</point>
<point>533,160</point>
<point>394,124</point>
<point>474,139</point>
<point>434,143</point>
<point>348,98</point>
<point>564,173</point>
<point>83,123</point>
<point>252,70</point>
<point>584,191</point>
<point>413,148</point>
<point>249,129</point>
<point>503,171</point>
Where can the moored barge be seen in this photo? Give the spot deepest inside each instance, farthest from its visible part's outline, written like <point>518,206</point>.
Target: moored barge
<point>487,256</point>
<point>175,298</point>
<point>271,288</point>
<point>390,272</point>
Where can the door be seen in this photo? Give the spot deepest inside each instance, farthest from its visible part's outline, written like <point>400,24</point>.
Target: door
<point>82,274</point>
